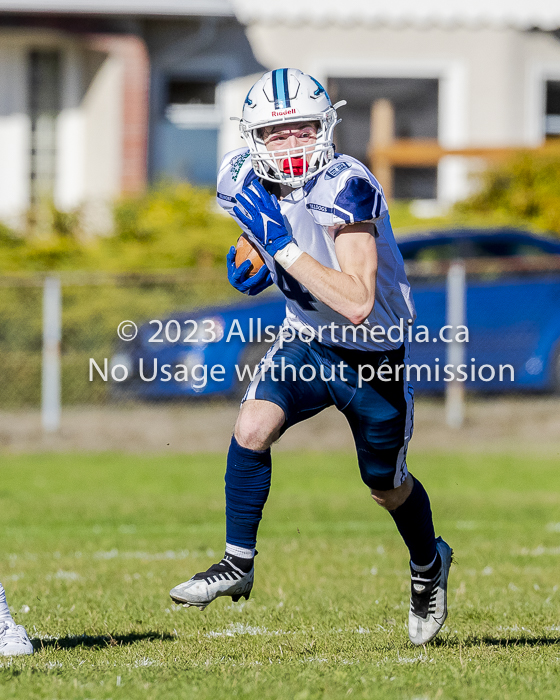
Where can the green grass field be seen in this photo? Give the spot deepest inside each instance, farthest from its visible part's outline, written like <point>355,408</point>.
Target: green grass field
<point>91,545</point>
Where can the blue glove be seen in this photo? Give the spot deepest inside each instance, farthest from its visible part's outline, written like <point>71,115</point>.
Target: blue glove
<point>237,276</point>
<point>263,218</point>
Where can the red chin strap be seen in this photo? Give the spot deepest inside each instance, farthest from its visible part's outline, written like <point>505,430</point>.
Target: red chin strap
<point>299,166</point>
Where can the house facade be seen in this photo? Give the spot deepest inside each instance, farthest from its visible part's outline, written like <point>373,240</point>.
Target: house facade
<point>100,97</point>
<point>469,75</point>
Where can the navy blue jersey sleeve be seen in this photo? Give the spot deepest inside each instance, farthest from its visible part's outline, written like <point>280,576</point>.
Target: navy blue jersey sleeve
<point>346,193</point>
<point>357,201</point>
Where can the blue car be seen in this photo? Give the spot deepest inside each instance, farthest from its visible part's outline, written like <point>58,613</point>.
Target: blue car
<point>513,321</point>
<point>209,352</point>
<point>512,311</point>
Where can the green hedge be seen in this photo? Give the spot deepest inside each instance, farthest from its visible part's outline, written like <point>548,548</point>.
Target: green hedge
<point>523,191</point>
<point>170,226</point>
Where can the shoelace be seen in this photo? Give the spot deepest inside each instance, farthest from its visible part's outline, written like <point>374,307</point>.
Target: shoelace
<point>423,601</point>
<point>12,633</point>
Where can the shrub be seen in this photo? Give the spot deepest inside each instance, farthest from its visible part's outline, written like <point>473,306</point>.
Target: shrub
<point>524,190</point>
<point>170,226</point>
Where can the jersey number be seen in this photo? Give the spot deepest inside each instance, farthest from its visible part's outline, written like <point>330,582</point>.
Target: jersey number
<point>293,290</point>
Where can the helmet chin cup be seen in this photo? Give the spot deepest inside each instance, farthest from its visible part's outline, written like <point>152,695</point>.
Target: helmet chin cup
<point>281,97</point>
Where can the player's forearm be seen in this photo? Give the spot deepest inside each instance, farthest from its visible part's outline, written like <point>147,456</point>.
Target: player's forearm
<point>346,294</point>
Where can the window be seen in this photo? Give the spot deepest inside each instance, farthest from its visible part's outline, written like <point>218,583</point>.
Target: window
<point>415,183</point>
<point>552,118</point>
<point>189,92</point>
<point>430,253</point>
<point>486,246</point>
<point>44,84</point>
<point>415,104</point>
<point>191,104</point>
<point>186,138</point>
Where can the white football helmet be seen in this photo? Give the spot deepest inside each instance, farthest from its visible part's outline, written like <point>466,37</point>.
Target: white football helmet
<point>288,95</point>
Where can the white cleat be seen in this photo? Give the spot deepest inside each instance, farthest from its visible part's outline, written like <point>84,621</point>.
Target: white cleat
<point>14,640</point>
<point>222,579</point>
<point>428,599</point>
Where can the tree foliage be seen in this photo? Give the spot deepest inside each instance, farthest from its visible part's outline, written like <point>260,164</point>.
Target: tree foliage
<point>170,226</point>
<point>524,191</point>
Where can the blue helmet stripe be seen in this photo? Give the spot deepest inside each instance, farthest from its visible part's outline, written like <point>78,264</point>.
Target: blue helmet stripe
<point>280,88</point>
<point>286,89</point>
<point>275,87</point>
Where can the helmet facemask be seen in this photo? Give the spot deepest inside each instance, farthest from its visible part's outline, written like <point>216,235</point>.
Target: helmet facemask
<point>292,166</point>
<point>308,102</point>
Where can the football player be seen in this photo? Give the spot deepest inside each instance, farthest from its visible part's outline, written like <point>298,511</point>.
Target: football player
<point>321,223</point>
<point>13,638</point>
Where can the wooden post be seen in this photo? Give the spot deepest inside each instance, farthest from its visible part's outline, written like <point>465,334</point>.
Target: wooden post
<point>382,135</point>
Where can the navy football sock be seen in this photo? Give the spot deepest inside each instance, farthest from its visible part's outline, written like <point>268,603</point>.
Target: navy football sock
<point>247,485</point>
<point>414,521</point>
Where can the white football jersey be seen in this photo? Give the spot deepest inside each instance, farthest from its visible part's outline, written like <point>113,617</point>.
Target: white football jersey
<point>344,193</point>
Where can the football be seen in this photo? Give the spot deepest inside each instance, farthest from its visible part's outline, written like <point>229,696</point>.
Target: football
<point>245,250</point>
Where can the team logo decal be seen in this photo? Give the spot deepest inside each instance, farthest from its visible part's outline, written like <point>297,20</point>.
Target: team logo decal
<point>237,164</point>
<point>335,170</point>
<point>319,207</point>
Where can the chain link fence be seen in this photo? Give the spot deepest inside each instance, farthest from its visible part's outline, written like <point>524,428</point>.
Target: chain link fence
<point>512,313</point>
<point>93,306</point>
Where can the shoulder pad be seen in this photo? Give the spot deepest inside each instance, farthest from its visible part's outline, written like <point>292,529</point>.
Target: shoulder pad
<point>358,200</point>
<point>233,171</point>
<point>236,163</point>
<point>345,193</point>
